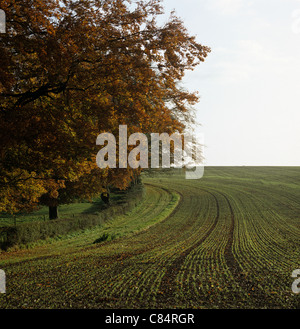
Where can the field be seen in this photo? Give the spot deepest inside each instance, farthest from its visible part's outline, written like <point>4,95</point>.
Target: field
<point>228,240</point>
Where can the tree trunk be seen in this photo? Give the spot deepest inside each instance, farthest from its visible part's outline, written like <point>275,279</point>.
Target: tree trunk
<point>53,213</point>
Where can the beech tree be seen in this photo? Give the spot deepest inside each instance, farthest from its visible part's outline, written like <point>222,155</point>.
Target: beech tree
<point>70,70</point>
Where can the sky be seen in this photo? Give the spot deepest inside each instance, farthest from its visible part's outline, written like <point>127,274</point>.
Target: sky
<point>249,85</point>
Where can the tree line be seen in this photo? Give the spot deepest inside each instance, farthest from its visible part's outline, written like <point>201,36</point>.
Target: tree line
<point>70,70</point>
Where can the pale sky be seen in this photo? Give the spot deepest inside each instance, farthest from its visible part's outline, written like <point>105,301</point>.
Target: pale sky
<point>250,83</point>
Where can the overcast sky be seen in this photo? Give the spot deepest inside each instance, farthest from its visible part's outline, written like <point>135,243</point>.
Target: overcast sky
<point>250,82</point>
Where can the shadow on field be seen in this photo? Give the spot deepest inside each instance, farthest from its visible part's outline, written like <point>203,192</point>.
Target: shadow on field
<point>106,237</point>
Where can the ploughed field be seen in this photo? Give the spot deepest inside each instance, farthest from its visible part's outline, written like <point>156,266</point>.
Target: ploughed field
<point>228,240</point>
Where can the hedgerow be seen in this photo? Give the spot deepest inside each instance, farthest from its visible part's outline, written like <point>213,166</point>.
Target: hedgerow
<point>33,231</point>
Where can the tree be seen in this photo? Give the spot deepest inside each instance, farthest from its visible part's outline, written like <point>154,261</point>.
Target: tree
<point>73,69</point>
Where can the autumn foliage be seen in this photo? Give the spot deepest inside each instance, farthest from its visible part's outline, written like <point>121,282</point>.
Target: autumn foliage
<point>70,70</point>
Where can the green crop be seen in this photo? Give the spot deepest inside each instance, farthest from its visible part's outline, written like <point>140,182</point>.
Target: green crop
<point>228,240</point>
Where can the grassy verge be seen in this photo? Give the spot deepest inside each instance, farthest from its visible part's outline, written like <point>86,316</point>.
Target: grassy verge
<point>30,232</point>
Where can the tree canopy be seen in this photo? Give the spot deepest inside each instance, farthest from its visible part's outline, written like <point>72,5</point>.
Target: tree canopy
<point>70,70</point>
